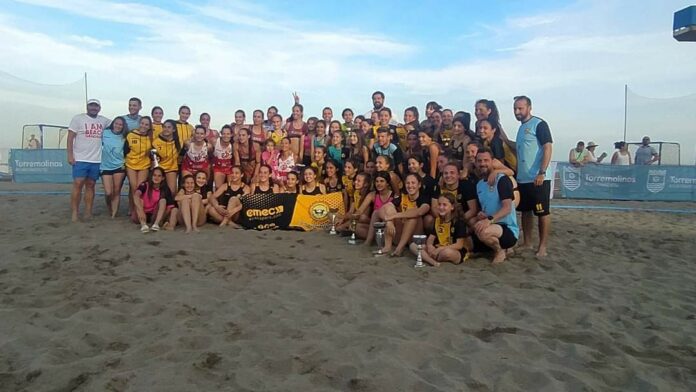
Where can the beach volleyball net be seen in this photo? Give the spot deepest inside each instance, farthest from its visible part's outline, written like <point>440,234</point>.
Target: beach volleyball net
<point>669,122</point>
<point>29,103</point>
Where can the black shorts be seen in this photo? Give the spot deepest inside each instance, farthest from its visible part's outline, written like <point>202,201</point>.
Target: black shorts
<point>507,239</point>
<point>535,198</point>
<point>112,172</point>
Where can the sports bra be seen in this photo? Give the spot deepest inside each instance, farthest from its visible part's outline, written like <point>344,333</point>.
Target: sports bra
<point>261,139</point>
<point>378,200</point>
<point>230,193</point>
<point>316,191</point>
<point>222,152</point>
<point>296,133</point>
<point>336,188</point>
<point>259,191</point>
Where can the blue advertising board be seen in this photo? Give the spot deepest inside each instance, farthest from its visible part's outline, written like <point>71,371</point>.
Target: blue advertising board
<point>45,165</point>
<point>634,182</point>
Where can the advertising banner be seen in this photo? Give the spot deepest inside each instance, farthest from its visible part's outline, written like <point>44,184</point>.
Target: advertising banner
<point>634,182</point>
<point>289,211</point>
<point>45,165</point>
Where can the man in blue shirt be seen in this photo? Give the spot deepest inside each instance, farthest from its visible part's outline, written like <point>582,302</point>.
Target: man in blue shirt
<point>534,147</point>
<point>496,223</point>
<point>133,116</point>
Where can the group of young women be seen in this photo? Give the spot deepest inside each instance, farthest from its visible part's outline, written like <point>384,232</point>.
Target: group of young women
<point>416,177</point>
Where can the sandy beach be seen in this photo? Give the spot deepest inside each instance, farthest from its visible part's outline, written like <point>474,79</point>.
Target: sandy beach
<point>98,306</point>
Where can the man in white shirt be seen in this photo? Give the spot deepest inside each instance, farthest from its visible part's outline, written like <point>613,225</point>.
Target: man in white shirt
<point>84,154</point>
<point>377,105</point>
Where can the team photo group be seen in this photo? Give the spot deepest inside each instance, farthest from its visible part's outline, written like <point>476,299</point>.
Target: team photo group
<point>453,180</point>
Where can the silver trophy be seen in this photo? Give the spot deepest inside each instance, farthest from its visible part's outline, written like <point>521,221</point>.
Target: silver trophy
<point>154,157</point>
<point>353,227</point>
<point>332,214</point>
<point>419,240</point>
<point>379,237</point>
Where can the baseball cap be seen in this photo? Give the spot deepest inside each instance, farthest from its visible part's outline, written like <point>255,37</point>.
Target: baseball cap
<point>93,101</point>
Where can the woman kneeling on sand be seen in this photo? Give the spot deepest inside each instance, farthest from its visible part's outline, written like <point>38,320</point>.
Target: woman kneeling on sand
<point>190,203</point>
<point>154,203</point>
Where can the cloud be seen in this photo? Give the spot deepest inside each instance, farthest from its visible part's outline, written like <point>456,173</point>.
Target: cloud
<point>90,41</point>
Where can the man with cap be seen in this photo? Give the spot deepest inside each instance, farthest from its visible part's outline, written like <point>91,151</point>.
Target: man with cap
<point>591,158</point>
<point>646,154</point>
<point>84,154</point>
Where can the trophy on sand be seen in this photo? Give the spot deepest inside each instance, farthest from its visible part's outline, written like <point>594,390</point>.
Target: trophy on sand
<point>332,215</point>
<point>155,158</point>
<point>379,237</point>
<point>353,227</point>
<point>419,240</point>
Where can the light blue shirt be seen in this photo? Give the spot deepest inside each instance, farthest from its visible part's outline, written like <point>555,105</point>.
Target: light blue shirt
<point>529,151</point>
<point>489,198</point>
<point>112,151</point>
<point>132,122</point>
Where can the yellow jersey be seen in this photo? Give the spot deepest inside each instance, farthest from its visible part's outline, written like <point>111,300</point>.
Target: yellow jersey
<point>185,131</point>
<point>156,130</point>
<point>138,151</point>
<point>168,154</point>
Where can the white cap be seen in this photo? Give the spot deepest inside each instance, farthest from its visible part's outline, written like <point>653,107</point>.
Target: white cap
<point>93,101</point>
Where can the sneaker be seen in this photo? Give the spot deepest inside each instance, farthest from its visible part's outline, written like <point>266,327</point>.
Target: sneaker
<point>144,229</point>
<point>155,227</point>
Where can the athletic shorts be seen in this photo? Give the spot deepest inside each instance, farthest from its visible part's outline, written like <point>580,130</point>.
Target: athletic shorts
<point>85,170</point>
<point>112,172</point>
<point>226,170</point>
<point>507,240</point>
<point>535,198</point>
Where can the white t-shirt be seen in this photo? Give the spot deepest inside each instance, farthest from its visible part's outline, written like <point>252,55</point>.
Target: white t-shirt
<point>87,146</point>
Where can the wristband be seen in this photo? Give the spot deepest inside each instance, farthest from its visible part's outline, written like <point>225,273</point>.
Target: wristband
<point>491,219</point>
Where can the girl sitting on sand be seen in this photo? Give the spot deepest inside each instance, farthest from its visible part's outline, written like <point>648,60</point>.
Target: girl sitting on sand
<point>265,185</point>
<point>206,192</point>
<point>224,203</point>
<point>361,186</point>
<point>333,182</point>
<point>189,203</point>
<point>376,199</point>
<point>154,203</point>
<point>292,183</point>
<point>404,216</point>
<point>310,185</point>
<point>385,164</point>
<point>449,240</point>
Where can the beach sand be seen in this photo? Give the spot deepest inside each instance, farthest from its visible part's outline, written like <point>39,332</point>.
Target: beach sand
<point>98,306</point>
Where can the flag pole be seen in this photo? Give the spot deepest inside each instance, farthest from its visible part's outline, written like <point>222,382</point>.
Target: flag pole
<point>625,109</point>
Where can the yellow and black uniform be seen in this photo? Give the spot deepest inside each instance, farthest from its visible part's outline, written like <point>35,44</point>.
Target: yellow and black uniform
<point>184,131</point>
<point>168,152</point>
<point>405,203</point>
<point>465,191</point>
<point>348,185</point>
<point>447,233</point>
<point>137,151</point>
<point>156,130</point>
<point>320,171</point>
<point>502,152</point>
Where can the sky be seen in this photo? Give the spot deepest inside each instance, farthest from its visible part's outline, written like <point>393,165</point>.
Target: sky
<point>572,58</point>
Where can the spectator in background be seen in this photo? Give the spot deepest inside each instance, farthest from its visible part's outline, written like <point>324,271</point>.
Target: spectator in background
<point>623,156</point>
<point>591,158</point>
<point>578,155</point>
<point>33,143</point>
<point>646,154</point>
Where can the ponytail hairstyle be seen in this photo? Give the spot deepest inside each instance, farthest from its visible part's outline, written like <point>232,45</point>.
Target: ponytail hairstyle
<point>151,185</point>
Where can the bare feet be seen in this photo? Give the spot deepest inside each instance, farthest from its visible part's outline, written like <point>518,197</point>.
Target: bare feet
<point>188,231</point>
<point>541,252</point>
<point>499,257</point>
<point>87,217</point>
<point>234,225</point>
<point>75,218</point>
<point>224,222</point>
<point>196,230</point>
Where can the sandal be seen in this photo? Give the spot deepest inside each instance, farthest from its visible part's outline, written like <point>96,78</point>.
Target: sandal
<point>144,228</point>
<point>155,227</point>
